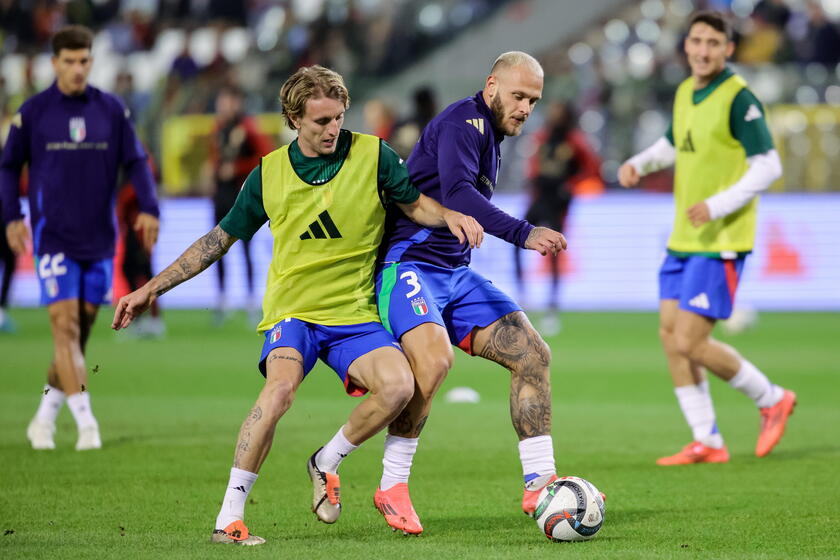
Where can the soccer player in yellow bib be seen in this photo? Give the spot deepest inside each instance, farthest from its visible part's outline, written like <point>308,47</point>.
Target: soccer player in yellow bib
<point>324,197</point>
<point>724,157</point>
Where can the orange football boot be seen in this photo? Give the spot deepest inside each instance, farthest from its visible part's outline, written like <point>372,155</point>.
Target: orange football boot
<point>395,504</point>
<point>696,452</point>
<point>773,421</point>
<point>326,492</point>
<point>530,495</point>
<point>236,533</point>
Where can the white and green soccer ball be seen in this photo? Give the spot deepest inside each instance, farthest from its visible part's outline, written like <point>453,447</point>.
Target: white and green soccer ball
<point>570,509</point>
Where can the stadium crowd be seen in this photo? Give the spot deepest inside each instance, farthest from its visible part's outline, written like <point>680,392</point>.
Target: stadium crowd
<point>181,52</point>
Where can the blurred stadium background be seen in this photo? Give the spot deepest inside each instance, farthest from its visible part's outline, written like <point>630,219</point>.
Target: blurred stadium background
<point>617,62</point>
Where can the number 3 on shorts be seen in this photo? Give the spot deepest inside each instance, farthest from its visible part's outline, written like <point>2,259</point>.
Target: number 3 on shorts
<point>411,279</point>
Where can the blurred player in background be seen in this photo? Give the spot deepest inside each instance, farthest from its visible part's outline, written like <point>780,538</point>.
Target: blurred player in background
<point>8,261</point>
<point>235,149</point>
<point>563,161</point>
<point>75,139</point>
<point>137,260</point>
<point>430,298</point>
<point>723,155</point>
<point>407,132</point>
<point>324,196</point>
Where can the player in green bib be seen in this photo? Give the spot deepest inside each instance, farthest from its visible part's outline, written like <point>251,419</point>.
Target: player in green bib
<point>324,197</point>
<point>723,157</point>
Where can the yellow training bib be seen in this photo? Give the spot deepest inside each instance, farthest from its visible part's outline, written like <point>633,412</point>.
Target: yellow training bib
<point>326,238</point>
<point>709,160</point>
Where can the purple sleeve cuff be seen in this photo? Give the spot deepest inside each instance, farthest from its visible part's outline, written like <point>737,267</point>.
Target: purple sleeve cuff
<point>524,233</point>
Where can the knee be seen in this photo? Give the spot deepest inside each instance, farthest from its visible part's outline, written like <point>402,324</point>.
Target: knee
<point>666,336</point>
<point>65,326</point>
<point>397,391</point>
<point>538,355</point>
<point>279,395</point>
<point>430,370</point>
<point>685,346</point>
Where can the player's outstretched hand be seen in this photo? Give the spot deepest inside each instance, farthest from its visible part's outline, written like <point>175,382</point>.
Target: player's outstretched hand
<point>628,176</point>
<point>147,228</point>
<point>17,234</point>
<point>464,228</point>
<point>698,214</point>
<point>131,306</point>
<point>544,241</point>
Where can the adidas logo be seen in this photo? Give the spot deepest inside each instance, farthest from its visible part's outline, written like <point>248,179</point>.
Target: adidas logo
<point>687,145</point>
<point>477,123</point>
<point>387,509</point>
<point>240,488</point>
<point>316,228</point>
<point>700,301</point>
<point>753,113</point>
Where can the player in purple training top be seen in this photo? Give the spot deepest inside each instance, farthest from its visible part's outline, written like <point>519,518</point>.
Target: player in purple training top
<point>75,139</point>
<point>430,299</point>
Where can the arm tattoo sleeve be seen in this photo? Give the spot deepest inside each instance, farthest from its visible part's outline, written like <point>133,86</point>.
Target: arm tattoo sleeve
<point>201,254</point>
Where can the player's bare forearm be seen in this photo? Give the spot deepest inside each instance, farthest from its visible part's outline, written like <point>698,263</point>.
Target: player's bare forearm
<point>428,212</point>
<point>201,254</point>
<point>425,211</point>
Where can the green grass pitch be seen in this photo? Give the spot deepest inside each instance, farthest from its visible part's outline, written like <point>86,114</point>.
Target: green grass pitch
<point>170,410</point>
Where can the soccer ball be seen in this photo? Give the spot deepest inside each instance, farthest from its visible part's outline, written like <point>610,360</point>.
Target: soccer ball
<point>570,509</point>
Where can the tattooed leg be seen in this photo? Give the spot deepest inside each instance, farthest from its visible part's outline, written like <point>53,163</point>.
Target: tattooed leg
<point>512,342</point>
<point>284,372</point>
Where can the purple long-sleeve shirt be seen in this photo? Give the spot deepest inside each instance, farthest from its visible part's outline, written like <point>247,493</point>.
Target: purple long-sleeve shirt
<point>75,146</point>
<point>456,162</point>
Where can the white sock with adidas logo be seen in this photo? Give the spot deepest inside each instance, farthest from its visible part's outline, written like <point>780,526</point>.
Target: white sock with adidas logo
<point>696,404</point>
<point>233,504</point>
<point>79,405</point>
<point>396,462</point>
<point>51,402</point>
<point>537,457</point>
<point>334,452</point>
<point>754,384</point>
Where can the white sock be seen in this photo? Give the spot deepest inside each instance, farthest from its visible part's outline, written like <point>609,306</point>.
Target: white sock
<point>696,404</point>
<point>396,463</point>
<point>80,407</point>
<point>51,403</point>
<point>750,381</point>
<point>537,457</point>
<point>332,454</point>
<point>233,504</point>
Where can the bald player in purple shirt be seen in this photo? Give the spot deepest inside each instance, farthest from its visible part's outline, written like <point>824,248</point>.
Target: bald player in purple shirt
<point>430,299</point>
<point>75,139</point>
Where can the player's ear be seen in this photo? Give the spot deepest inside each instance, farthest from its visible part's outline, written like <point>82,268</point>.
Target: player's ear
<point>730,48</point>
<point>491,84</point>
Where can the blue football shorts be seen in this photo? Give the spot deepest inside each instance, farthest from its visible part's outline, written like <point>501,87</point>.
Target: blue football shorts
<point>459,299</point>
<point>62,278</point>
<point>337,346</point>
<point>703,285</point>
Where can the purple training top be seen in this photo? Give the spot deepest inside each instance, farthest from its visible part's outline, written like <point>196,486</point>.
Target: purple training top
<point>75,146</point>
<point>456,162</point>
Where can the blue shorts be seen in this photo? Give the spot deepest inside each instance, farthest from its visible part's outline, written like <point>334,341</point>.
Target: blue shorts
<point>64,278</point>
<point>337,346</point>
<point>703,285</point>
<point>459,299</point>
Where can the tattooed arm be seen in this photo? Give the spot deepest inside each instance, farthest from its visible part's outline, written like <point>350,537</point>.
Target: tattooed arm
<point>201,254</point>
